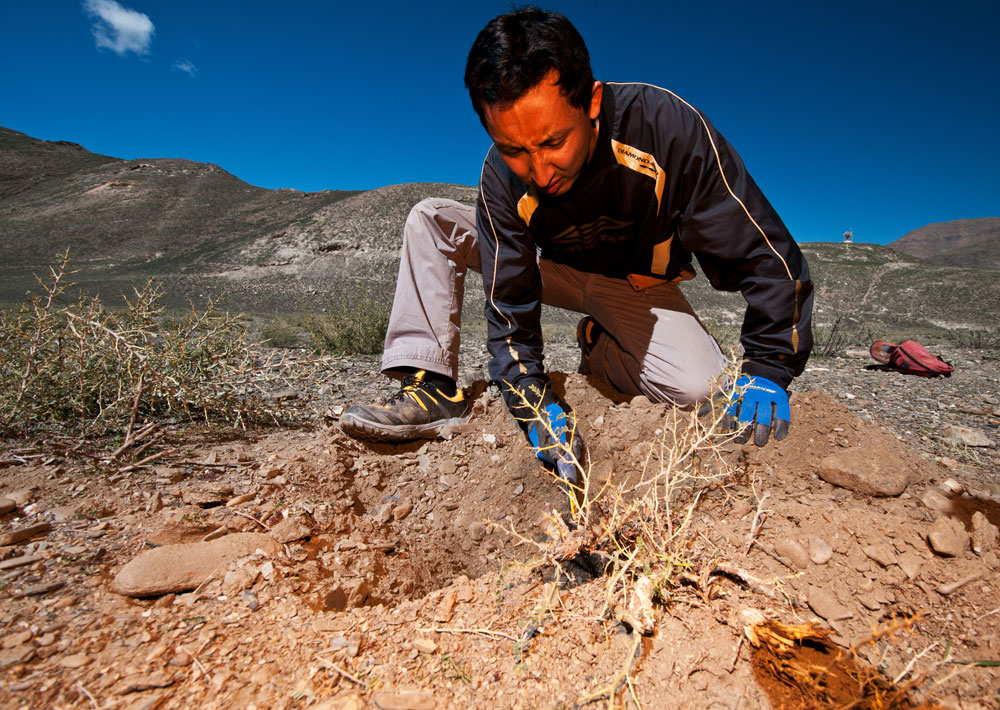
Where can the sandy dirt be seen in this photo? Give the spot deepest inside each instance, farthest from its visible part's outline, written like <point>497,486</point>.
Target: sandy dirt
<point>399,583</point>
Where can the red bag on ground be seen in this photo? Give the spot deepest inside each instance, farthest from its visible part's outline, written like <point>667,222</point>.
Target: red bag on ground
<point>910,357</point>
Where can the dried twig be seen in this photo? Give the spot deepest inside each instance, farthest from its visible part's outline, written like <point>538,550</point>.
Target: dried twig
<point>86,692</point>
<point>327,663</point>
<point>624,675</point>
<point>149,459</point>
<point>758,520</point>
<point>490,633</point>
<point>250,517</point>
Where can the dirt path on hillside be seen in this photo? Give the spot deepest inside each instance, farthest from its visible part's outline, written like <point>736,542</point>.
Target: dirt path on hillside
<point>393,580</point>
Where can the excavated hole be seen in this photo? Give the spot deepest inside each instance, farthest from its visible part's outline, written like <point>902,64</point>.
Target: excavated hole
<point>413,517</point>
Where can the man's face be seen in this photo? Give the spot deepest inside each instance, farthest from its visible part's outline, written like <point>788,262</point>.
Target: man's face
<point>542,138</point>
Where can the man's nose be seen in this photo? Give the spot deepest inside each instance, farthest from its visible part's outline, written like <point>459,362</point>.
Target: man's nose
<point>542,170</point>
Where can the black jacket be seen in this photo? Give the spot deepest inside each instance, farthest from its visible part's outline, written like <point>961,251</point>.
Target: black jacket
<point>662,185</point>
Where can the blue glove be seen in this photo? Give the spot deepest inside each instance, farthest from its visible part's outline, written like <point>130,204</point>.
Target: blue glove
<point>761,406</point>
<point>563,452</point>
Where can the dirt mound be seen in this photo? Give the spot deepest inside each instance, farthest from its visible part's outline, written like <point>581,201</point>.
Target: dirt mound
<point>398,584</point>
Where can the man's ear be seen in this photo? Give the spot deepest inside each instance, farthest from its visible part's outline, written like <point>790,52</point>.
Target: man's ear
<point>595,101</point>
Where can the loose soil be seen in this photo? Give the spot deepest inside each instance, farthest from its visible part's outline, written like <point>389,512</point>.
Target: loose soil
<point>401,585</point>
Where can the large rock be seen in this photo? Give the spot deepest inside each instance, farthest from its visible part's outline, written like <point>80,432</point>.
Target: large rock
<point>859,471</point>
<point>948,537</point>
<point>966,436</point>
<point>179,568</point>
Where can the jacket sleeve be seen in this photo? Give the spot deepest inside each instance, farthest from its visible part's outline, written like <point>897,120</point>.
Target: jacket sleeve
<point>513,287</point>
<point>742,244</point>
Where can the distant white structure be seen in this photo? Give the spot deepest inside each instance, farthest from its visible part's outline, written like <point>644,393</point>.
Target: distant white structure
<point>848,236</point>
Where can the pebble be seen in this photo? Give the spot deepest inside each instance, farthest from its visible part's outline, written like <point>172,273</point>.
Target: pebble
<point>207,496</point>
<point>820,551</point>
<point>856,470</point>
<point>947,537</point>
<point>236,580</point>
<point>6,505</point>
<point>18,654</point>
<point>37,590</point>
<point>910,563</point>
<point>477,531</point>
<point>793,552</point>
<point>954,486</point>
<point>936,500</point>
<point>178,568</point>
<point>143,681</point>
<point>519,489</point>
<point>76,660</point>
<point>290,530</point>
<point>16,639</point>
<point>406,700</point>
<point>353,646</point>
<point>826,605</point>
<point>21,534</point>
<point>984,534</point>
<point>20,561</point>
<point>21,497</point>
<point>882,554</point>
<point>250,599</point>
<point>155,504</point>
<point>425,646</point>
<point>401,511</point>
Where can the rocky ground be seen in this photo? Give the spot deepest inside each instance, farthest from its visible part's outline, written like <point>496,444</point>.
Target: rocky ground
<point>321,572</point>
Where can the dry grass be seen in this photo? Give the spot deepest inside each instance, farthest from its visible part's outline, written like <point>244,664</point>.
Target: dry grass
<point>73,365</point>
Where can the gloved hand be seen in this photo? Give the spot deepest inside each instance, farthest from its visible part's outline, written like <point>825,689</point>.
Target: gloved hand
<point>760,406</point>
<point>555,440</point>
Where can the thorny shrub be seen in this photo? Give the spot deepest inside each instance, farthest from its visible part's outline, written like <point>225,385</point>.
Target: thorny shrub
<point>68,362</point>
<point>976,339</point>
<point>833,340</point>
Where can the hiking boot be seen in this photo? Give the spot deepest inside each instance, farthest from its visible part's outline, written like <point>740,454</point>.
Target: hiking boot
<point>418,411</point>
<point>588,331</point>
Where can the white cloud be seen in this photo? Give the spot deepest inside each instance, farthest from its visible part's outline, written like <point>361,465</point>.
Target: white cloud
<point>185,66</point>
<point>118,28</point>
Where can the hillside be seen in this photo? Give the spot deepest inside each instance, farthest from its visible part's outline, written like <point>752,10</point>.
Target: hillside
<point>877,288</point>
<point>191,225</point>
<point>971,243</point>
<point>202,231</point>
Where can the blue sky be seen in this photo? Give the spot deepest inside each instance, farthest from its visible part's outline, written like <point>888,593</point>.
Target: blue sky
<point>879,117</point>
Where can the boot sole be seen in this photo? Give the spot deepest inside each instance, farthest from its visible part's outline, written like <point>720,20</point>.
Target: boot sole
<point>380,433</point>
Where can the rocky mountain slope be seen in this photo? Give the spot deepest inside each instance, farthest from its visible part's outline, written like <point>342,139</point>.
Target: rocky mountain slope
<point>202,232</point>
<point>971,243</point>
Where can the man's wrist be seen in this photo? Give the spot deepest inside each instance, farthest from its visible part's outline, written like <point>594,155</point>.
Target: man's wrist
<point>778,375</point>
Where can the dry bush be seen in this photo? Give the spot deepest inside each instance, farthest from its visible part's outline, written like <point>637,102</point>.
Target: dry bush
<point>70,363</point>
<point>640,526</point>
<point>351,324</point>
<point>976,339</point>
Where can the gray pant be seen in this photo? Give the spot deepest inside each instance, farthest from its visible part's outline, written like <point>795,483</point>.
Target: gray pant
<point>657,347</point>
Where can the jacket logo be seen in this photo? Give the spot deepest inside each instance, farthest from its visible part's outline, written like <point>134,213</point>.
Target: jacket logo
<point>644,164</point>
<point>582,237</point>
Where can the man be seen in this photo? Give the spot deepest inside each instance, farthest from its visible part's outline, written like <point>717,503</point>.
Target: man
<point>593,197</point>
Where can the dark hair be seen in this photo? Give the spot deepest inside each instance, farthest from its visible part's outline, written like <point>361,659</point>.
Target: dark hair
<point>515,51</point>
